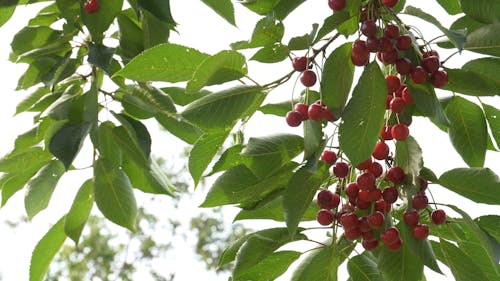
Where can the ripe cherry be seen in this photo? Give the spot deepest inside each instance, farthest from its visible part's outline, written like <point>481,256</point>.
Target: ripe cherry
<point>423,183</point>
<point>411,218</point>
<point>364,227</point>
<point>419,202</point>
<point>308,78</point>
<point>362,204</point>
<point>438,216</point>
<point>386,44</point>
<point>400,132</point>
<point>376,169</point>
<point>381,151</point>
<point>403,66</point>
<point>397,105</point>
<point>390,194</point>
<point>396,246</point>
<point>403,42</point>
<point>431,64</point>
<point>341,169</point>
<point>352,234</point>
<point>324,199</point>
<point>366,181</point>
<point>396,175</point>
<point>390,3</point>
<point>299,63</point>
<point>365,164</point>
<point>373,44</point>
<point>352,189</point>
<point>418,75</point>
<point>391,31</point>
<point>360,54</point>
<point>420,231</point>
<point>389,57</point>
<point>91,6</point>
<point>439,78</point>
<point>393,83</point>
<point>382,206</point>
<point>293,118</point>
<point>408,99</point>
<point>369,28</point>
<point>390,235</point>
<point>349,221</point>
<point>430,53</point>
<point>329,157</point>
<point>370,245</point>
<point>386,132</point>
<point>324,217</point>
<point>376,220</point>
<point>315,112</point>
<point>337,5</point>
<point>302,108</point>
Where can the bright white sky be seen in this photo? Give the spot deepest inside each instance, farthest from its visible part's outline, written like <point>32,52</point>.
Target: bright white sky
<point>202,29</point>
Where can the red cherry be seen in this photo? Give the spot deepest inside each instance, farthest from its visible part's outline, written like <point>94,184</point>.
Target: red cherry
<point>352,234</point>
<point>386,44</point>
<point>396,246</point>
<point>341,169</point>
<point>393,83</point>
<point>397,105</point>
<point>389,57</point>
<point>403,66</point>
<point>373,44</point>
<point>362,204</point>
<point>430,53</point>
<point>403,42</point>
<point>293,118</point>
<point>308,78</point>
<point>327,114</point>
<point>324,199</point>
<point>315,112</point>
<point>420,231</point>
<point>400,132</point>
<point>386,132</point>
<point>360,54</point>
<point>376,169</point>
<point>382,206</point>
<point>324,217</point>
<point>438,216</point>
<point>419,202</point>
<point>390,235</point>
<point>299,63</point>
<point>418,75</point>
<point>91,6</point>
<point>390,3</point>
<point>396,175</point>
<point>368,235</point>
<point>388,100</point>
<point>364,195</point>
<point>391,31</point>
<point>439,78</point>
<point>390,194</point>
<point>352,189</point>
<point>408,99</point>
<point>337,5</point>
<point>302,108</point>
<point>369,28</point>
<point>365,164</point>
<point>431,64</point>
<point>366,181</point>
<point>363,226</point>
<point>349,221</point>
<point>423,183</point>
<point>376,220</point>
<point>411,218</point>
<point>370,245</point>
<point>329,157</point>
<point>381,151</point>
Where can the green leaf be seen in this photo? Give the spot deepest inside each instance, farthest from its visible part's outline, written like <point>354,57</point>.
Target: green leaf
<point>181,98</point>
<point>203,151</point>
<point>79,212</point>
<point>166,62</point>
<point>487,11</point>
<point>31,99</point>
<point>460,264</point>
<point>395,266</point>
<point>486,67</point>
<point>179,128</point>
<point>100,55</point>
<point>274,234</point>
<point>222,67</point>
<point>257,248</point>
<point>113,194</point>
<point>229,158</point>
<point>45,250</point>
<point>67,141</point>
<point>421,248</point>
<point>337,77</point>
<point>230,105</point>
<point>468,131</point>
<point>271,267</point>
<point>299,193</point>
<point>154,30</point>
<point>470,83</point>
<point>484,40</point>
<point>138,133</point>
<point>36,71</point>
<point>331,23</point>
<point>41,187</point>
<point>314,143</point>
<point>409,156</point>
<point>224,8</point>
<point>491,225</point>
<point>363,268</point>
<point>149,179</point>
<point>457,37</point>
<point>267,32</point>
<point>17,161</point>
<point>239,184</point>
<point>271,54</point>
<point>32,38</point>
<point>260,7</point>
<point>131,35</point>
<point>480,185</point>
<point>285,7</point>
<point>305,41</point>
<point>159,8</point>
<point>98,22</point>
<point>7,10</point>
<point>427,103</point>
<point>363,116</point>
<point>452,7</point>
<point>268,154</point>
<point>320,265</point>
<point>493,117</point>
<point>13,182</point>
<point>278,109</point>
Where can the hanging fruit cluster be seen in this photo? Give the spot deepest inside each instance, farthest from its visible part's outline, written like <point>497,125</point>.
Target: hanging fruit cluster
<point>364,195</point>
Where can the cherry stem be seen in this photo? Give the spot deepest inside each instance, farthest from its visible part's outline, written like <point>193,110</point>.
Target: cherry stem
<point>449,57</point>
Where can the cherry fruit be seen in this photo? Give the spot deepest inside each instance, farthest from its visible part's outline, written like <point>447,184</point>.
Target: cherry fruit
<point>299,63</point>
<point>308,78</point>
<point>438,216</point>
<point>91,6</point>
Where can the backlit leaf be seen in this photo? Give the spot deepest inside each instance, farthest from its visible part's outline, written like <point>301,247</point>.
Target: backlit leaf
<point>480,185</point>
<point>79,211</point>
